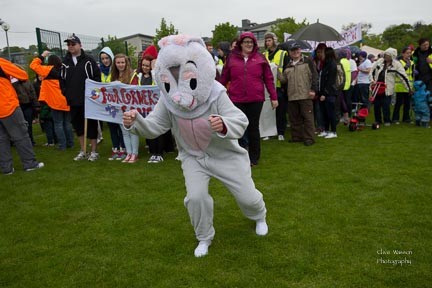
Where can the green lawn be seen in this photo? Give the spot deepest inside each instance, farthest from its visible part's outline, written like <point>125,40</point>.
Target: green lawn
<point>332,209</point>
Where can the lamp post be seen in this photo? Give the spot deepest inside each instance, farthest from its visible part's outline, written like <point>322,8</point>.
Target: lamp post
<point>6,27</point>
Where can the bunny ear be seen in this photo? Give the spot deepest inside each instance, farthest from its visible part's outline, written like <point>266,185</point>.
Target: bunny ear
<point>180,40</point>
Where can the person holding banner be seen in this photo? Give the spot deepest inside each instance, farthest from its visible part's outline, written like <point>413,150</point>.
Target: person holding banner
<point>206,126</point>
<point>77,67</point>
<point>143,76</point>
<point>118,152</point>
<point>122,71</point>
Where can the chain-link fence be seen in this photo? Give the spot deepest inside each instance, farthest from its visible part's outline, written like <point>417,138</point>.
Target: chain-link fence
<point>54,42</point>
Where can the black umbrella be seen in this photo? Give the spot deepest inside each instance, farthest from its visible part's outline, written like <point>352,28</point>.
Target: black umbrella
<point>303,45</point>
<point>317,32</point>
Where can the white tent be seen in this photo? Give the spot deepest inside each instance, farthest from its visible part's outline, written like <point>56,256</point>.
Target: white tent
<point>371,50</point>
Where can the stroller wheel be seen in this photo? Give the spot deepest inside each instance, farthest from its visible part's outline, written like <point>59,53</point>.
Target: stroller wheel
<point>375,126</point>
<point>352,127</point>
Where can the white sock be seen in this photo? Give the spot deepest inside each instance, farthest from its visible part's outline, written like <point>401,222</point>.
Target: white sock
<point>261,228</point>
<point>202,248</point>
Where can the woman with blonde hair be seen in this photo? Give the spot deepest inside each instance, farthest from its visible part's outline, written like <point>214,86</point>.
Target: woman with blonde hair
<point>123,72</point>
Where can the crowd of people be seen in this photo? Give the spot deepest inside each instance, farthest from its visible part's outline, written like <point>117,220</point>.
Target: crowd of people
<point>304,87</point>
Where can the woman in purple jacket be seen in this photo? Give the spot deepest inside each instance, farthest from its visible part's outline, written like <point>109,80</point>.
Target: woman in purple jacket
<point>245,73</point>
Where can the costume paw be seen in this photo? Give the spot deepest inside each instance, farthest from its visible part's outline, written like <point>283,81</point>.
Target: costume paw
<point>261,228</point>
<point>202,248</point>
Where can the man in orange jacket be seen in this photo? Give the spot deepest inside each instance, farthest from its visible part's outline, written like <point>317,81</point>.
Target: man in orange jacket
<point>13,126</point>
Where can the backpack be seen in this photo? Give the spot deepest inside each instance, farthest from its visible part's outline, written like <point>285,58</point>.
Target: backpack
<point>340,77</point>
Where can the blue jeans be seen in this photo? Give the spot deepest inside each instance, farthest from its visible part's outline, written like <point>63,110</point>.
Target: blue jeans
<point>48,127</point>
<point>63,128</point>
<point>116,135</point>
<point>131,141</point>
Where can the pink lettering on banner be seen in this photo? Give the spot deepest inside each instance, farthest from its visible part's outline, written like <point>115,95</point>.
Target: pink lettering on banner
<point>108,101</point>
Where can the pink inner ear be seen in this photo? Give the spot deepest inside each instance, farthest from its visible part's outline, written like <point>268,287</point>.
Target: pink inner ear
<point>189,75</point>
<point>180,40</point>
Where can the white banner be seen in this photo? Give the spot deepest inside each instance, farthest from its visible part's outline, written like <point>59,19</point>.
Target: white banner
<point>350,37</point>
<point>108,101</point>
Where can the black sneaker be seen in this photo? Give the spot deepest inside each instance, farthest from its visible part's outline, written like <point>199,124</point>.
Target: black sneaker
<point>10,172</point>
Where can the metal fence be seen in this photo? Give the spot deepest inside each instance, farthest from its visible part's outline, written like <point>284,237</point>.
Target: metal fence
<point>54,42</point>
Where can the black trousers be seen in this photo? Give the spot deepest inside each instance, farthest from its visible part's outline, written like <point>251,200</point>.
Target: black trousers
<point>252,111</point>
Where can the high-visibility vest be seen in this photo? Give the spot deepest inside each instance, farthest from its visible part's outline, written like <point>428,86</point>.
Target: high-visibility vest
<point>278,60</point>
<point>347,69</point>
<point>106,78</point>
<point>399,86</point>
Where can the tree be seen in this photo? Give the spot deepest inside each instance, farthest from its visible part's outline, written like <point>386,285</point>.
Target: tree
<point>118,46</point>
<point>287,25</point>
<point>164,30</point>
<point>224,32</point>
<point>365,27</point>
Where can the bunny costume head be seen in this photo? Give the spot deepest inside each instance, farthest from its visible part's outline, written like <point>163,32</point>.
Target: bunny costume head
<point>185,73</point>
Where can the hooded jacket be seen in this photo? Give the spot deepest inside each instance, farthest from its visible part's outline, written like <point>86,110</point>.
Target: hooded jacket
<point>75,76</point>
<point>301,78</point>
<point>393,70</point>
<point>8,97</point>
<point>106,77</point>
<point>50,91</point>
<point>248,77</point>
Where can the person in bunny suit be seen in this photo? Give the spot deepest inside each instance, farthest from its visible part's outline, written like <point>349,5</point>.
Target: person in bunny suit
<point>207,126</point>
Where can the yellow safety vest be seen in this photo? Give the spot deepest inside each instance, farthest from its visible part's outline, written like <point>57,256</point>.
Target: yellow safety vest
<point>347,69</point>
<point>399,86</point>
<point>278,60</point>
<point>105,78</point>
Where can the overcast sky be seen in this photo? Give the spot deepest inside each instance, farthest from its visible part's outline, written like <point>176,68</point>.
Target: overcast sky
<point>122,18</point>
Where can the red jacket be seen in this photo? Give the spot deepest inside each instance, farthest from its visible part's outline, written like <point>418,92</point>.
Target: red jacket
<point>8,97</point>
<point>247,78</point>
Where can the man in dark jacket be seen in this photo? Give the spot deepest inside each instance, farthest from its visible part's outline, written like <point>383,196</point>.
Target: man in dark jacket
<point>77,67</point>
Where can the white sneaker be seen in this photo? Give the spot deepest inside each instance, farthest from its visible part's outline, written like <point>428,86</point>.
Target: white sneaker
<point>265,138</point>
<point>93,156</point>
<point>152,159</point>
<point>261,228</point>
<point>323,134</point>
<point>331,135</point>
<point>81,156</point>
<point>38,166</point>
<point>202,248</point>
<point>158,159</point>
<point>281,138</point>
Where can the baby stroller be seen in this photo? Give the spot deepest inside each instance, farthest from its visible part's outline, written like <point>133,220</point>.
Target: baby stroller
<point>375,89</point>
<point>358,120</point>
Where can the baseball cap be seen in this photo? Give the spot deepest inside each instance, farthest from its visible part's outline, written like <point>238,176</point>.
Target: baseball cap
<point>294,45</point>
<point>73,38</point>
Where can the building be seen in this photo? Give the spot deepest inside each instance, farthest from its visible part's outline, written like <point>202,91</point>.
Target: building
<point>259,30</point>
<point>139,41</point>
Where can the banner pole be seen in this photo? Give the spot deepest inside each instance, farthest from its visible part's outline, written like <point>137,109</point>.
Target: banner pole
<point>85,136</point>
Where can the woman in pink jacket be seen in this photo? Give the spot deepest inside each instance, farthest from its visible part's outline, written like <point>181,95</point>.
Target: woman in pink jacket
<point>245,73</point>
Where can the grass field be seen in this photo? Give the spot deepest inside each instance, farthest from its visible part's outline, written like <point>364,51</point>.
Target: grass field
<point>337,211</point>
